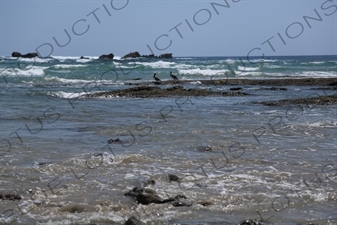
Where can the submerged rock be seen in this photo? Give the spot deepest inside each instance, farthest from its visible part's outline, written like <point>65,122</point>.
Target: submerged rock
<point>321,100</point>
<point>78,208</point>
<point>146,183</point>
<point>250,222</point>
<point>274,89</point>
<point>172,177</point>
<point>133,221</point>
<point>204,148</point>
<point>147,196</point>
<point>10,196</point>
<point>236,89</point>
<point>114,141</point>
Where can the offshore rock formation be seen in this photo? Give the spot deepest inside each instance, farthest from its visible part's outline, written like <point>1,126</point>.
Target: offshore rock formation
<point>28,55</point>
<point>132,55</point>
<point>109,56</point>
<point>136,54</point>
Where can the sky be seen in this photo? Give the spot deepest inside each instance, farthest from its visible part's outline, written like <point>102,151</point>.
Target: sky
<point>184,27</point>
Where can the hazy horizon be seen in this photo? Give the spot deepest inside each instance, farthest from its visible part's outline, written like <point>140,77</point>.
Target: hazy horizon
<point>185,28</point>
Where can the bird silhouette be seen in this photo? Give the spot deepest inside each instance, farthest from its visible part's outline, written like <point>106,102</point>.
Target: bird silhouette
<point>173,76</point>
<point>156,78</point>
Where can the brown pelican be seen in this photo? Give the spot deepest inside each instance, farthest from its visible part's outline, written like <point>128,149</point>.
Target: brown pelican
<point>173,76</point>
<point>156,78</point>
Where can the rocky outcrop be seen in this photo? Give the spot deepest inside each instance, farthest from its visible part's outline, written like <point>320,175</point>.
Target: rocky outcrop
<point>109,57</point>
<point>166,56</point>
<point>28,55</point>
<point>132,55</point>
<point>82,57</point>
<point>136,54</point>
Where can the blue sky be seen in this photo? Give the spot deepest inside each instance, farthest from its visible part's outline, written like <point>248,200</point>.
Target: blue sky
<point>184,27</point>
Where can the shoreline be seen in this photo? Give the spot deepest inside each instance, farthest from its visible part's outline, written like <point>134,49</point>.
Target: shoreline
<point>261,82</point>
<point>153,90</point>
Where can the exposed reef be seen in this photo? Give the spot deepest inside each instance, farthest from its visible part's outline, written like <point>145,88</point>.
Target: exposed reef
<point>155,92</point>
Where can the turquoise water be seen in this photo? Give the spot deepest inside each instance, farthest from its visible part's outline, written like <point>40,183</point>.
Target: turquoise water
<point>277,162</point>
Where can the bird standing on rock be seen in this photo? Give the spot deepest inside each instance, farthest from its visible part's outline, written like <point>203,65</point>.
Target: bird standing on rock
<point>173,76</point>
<point>156,78</point>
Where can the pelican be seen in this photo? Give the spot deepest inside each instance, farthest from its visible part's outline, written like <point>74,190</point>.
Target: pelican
<point>173,76</point>
<point>156,78</point>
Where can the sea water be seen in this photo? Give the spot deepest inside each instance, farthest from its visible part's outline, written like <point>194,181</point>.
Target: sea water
<point>275,164</point>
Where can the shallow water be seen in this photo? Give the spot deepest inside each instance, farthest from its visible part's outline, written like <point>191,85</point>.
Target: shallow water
<point>266,162</point>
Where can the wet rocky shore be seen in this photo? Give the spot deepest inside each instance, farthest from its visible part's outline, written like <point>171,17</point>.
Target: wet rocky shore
<point>174,88</point>
<point>154,91</point>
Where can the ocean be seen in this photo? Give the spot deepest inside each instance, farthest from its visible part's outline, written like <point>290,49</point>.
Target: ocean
<point>277,164</point>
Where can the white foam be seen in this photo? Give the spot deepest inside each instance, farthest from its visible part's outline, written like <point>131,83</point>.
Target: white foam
<point>62,58</point>
<point>67,81</point>
<point>318,74</point>
<point>243,68</point>
<point>60,66</point>
<point>66,95</point>
<point>206,72</point>
<point>158,64</point>
<point>31,72</point>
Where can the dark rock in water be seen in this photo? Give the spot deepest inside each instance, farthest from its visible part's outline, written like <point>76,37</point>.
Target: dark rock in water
<point>172,177</point>
<point>16,54</point>
<point>204,203</point>
<point>250,222</point>
<point>148,182</point>
<point>133,221</point>
<point>10,196</point>
<point>82,57</point>
<point>145,196</point>
<point>28,55</point>
<point>114,141</point>
<point>110,56</point>
<point>322,100</point>
<point>274,89</point>
<point>325,88</point>
<point>132,55</point>
<point>333,84</point>
<point>149,56</point>
<point>153,91</point>
<point>138,78</point>
<point>236,89</point>
<point>181,203</point>
<point>204,148</point>
<point>166,56</point>
<point>78,208</point>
